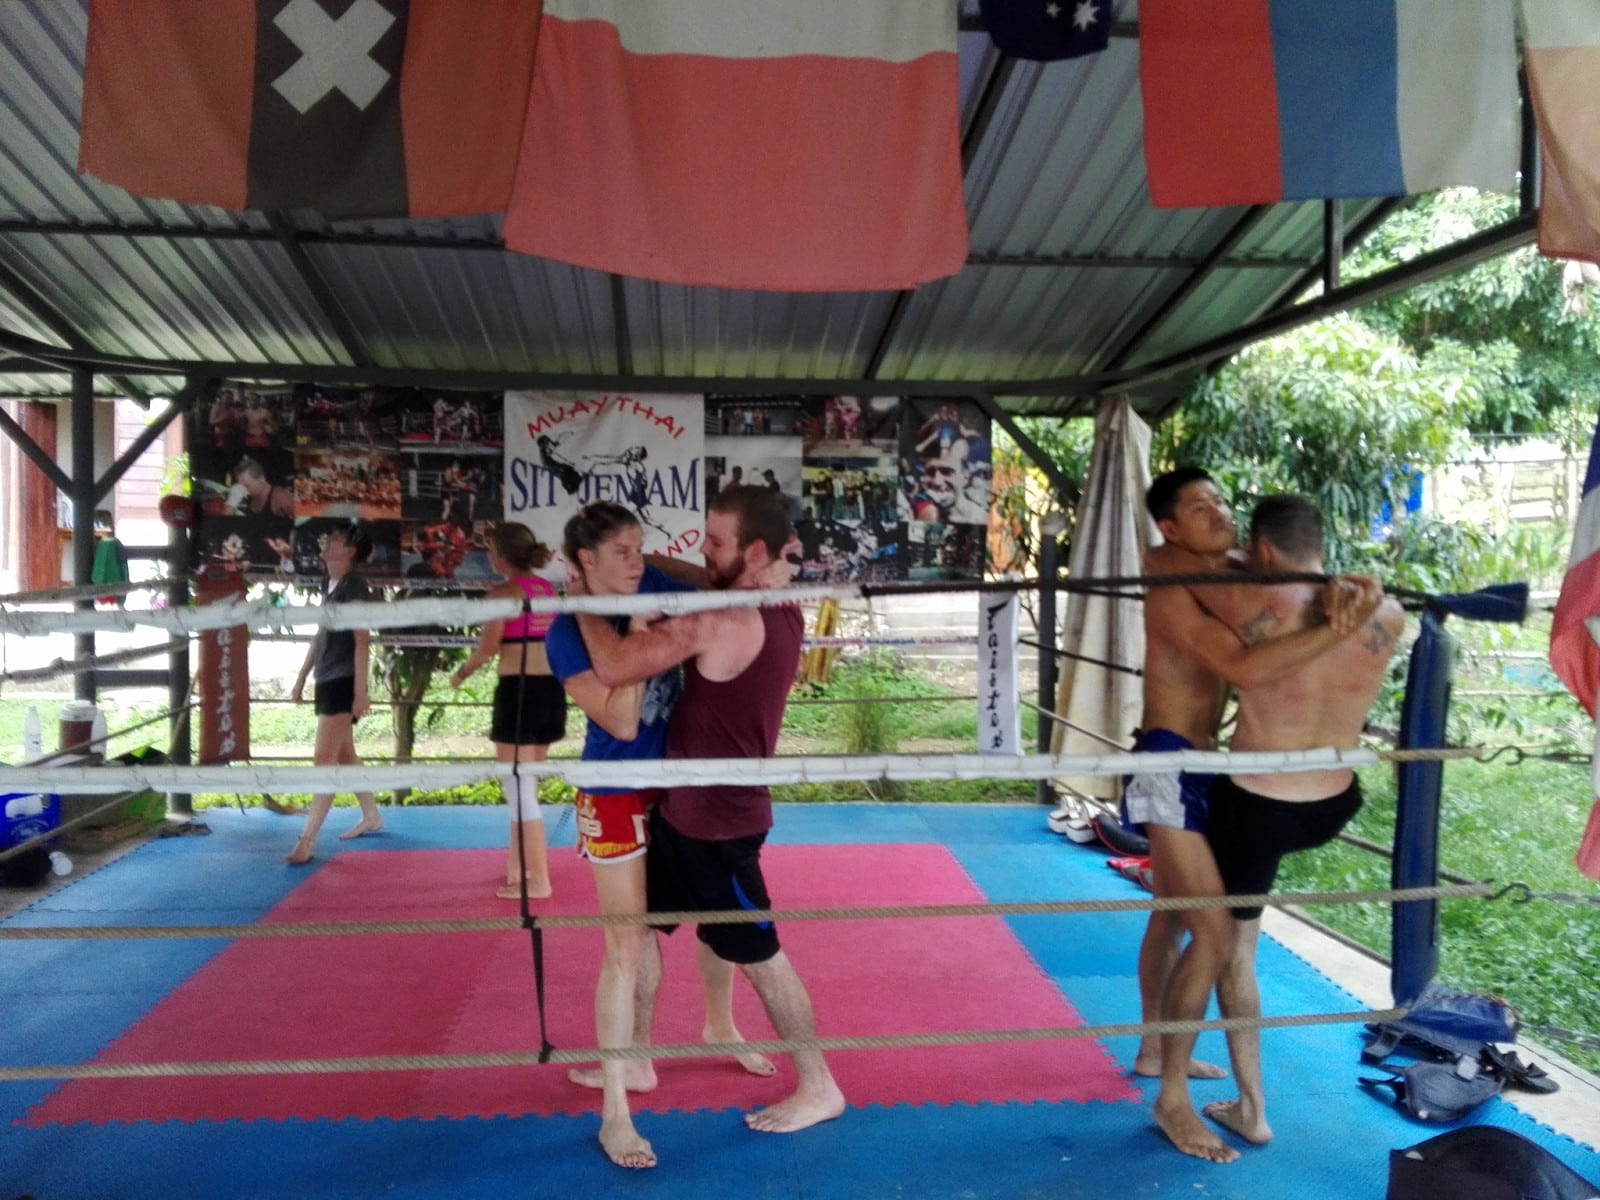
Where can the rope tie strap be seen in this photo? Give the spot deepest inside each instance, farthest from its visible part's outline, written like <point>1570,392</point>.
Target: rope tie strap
<point>737,916</point>
<point>1521,893</point>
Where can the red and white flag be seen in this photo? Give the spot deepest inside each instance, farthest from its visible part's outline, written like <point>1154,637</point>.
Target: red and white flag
<point>1574,654</point>
<point>360,109</point>
<point>774,145</point>
<point>1561,52</point>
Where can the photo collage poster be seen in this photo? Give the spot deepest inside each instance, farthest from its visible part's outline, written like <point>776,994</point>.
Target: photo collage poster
<point>945,474</point>
<point>275,469</point>
<point>851,530</point>
<point>879,488</point>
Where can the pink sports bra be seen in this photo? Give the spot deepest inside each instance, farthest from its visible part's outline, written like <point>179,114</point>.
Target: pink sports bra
<point>530,627</point>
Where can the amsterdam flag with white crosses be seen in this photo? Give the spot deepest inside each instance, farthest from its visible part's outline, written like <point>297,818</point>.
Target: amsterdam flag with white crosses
<point>355,108</point>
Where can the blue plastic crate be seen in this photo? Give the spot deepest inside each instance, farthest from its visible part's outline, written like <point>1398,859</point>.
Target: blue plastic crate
<point>14,830</point>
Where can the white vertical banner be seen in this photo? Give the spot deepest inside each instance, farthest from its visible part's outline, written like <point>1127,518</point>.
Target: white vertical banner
<point>642,452</point>
<point>998,724</point>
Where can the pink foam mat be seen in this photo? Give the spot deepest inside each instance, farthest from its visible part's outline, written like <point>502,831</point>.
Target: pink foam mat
<point>396,994</point>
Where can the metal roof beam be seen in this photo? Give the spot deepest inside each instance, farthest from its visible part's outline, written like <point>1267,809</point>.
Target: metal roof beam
<point>47,315</point>
<point>403,241</point>
<point>1241,229</point>
<point>1490,243</point>
<point>619,320</point>
<point>982,117</point>
<point>33,451</point>
<point>181,403</point>
<point>1354,236</point>
<point>321,294</point>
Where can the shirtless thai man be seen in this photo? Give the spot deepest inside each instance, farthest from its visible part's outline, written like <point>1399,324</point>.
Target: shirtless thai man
<point>705,842</point>
<point>1256,819</point>
<point>1190,660</point>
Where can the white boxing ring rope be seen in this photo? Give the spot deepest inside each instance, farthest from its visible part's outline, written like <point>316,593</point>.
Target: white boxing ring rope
<point>399,614</point>
<point>699,772</point>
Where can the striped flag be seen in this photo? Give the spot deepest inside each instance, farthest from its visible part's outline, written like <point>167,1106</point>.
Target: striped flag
<point>1562,55</point>
<point>1258,101</point>
<point>775,145</point>
<point>1574,654</point>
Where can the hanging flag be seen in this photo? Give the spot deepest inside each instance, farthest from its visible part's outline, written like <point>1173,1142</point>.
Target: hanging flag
<point>363,109</point>
<point>776,145</point>
<point>1257,101</point>
<point>1561,51</point>
<point>1047,30</point>
<point>1574,654</point>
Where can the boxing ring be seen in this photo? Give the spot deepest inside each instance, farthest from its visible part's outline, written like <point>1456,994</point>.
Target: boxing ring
<point>196,1018</point>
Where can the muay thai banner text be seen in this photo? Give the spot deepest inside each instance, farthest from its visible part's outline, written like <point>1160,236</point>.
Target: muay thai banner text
<point>223,677</point>
<point>642,452</point>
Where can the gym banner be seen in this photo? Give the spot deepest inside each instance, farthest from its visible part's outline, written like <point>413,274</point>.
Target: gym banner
<point>999,727</point>
<point>642,452</point>
<point>223,679</point>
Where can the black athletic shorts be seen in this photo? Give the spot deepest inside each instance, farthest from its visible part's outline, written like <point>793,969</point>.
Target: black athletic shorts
<point>335,697</point>
<point>1250,834</point>
<point>685,874</point>
<point>529,710</point>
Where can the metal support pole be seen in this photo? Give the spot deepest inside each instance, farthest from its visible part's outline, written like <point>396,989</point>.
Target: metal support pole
<point>1051,527</point>
<point>178,665</point>
<point>82,497</point>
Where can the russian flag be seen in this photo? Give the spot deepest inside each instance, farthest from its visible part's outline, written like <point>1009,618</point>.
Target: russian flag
<point>1574,655</point>
<point>1257,101</point>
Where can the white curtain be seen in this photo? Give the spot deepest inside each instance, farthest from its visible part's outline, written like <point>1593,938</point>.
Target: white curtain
<point>1109,538</point>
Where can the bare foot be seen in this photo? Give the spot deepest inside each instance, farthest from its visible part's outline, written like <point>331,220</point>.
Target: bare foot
<point>623,1145</point>
<point>302,853</point>
<point>799,1111</point>
<point>537,890</point>
<point>756,1064</point>
<point>366,825</point>
<point>637,1076</point>
<point>1241,1119</point>
<point>273,805</point>
<point>1147,1065</point>
<point>1185,1130</point>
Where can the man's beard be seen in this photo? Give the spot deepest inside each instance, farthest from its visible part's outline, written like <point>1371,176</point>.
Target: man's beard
<point>725,579</point>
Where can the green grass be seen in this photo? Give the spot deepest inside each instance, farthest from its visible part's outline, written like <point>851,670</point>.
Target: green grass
<point>1497,822</point>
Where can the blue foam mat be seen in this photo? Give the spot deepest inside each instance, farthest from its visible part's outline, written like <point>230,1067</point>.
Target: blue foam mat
<point>65,1001</point>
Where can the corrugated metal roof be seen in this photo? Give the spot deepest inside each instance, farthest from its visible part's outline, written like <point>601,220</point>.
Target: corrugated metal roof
<point>1073,271</point>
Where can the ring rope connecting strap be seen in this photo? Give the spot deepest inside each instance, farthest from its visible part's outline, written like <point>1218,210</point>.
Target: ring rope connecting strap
<point>455,1062</point>
<point>737,916</point>
<point>929,768</point>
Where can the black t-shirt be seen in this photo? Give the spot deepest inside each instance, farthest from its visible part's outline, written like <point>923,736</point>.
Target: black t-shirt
<point>336,648</point>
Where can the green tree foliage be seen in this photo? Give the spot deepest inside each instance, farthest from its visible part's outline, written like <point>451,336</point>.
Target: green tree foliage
<point>1335,410</point>
<point>1513,325</point>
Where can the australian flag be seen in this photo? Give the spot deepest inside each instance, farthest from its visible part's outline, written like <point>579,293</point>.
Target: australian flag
<point>1046,30</point>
